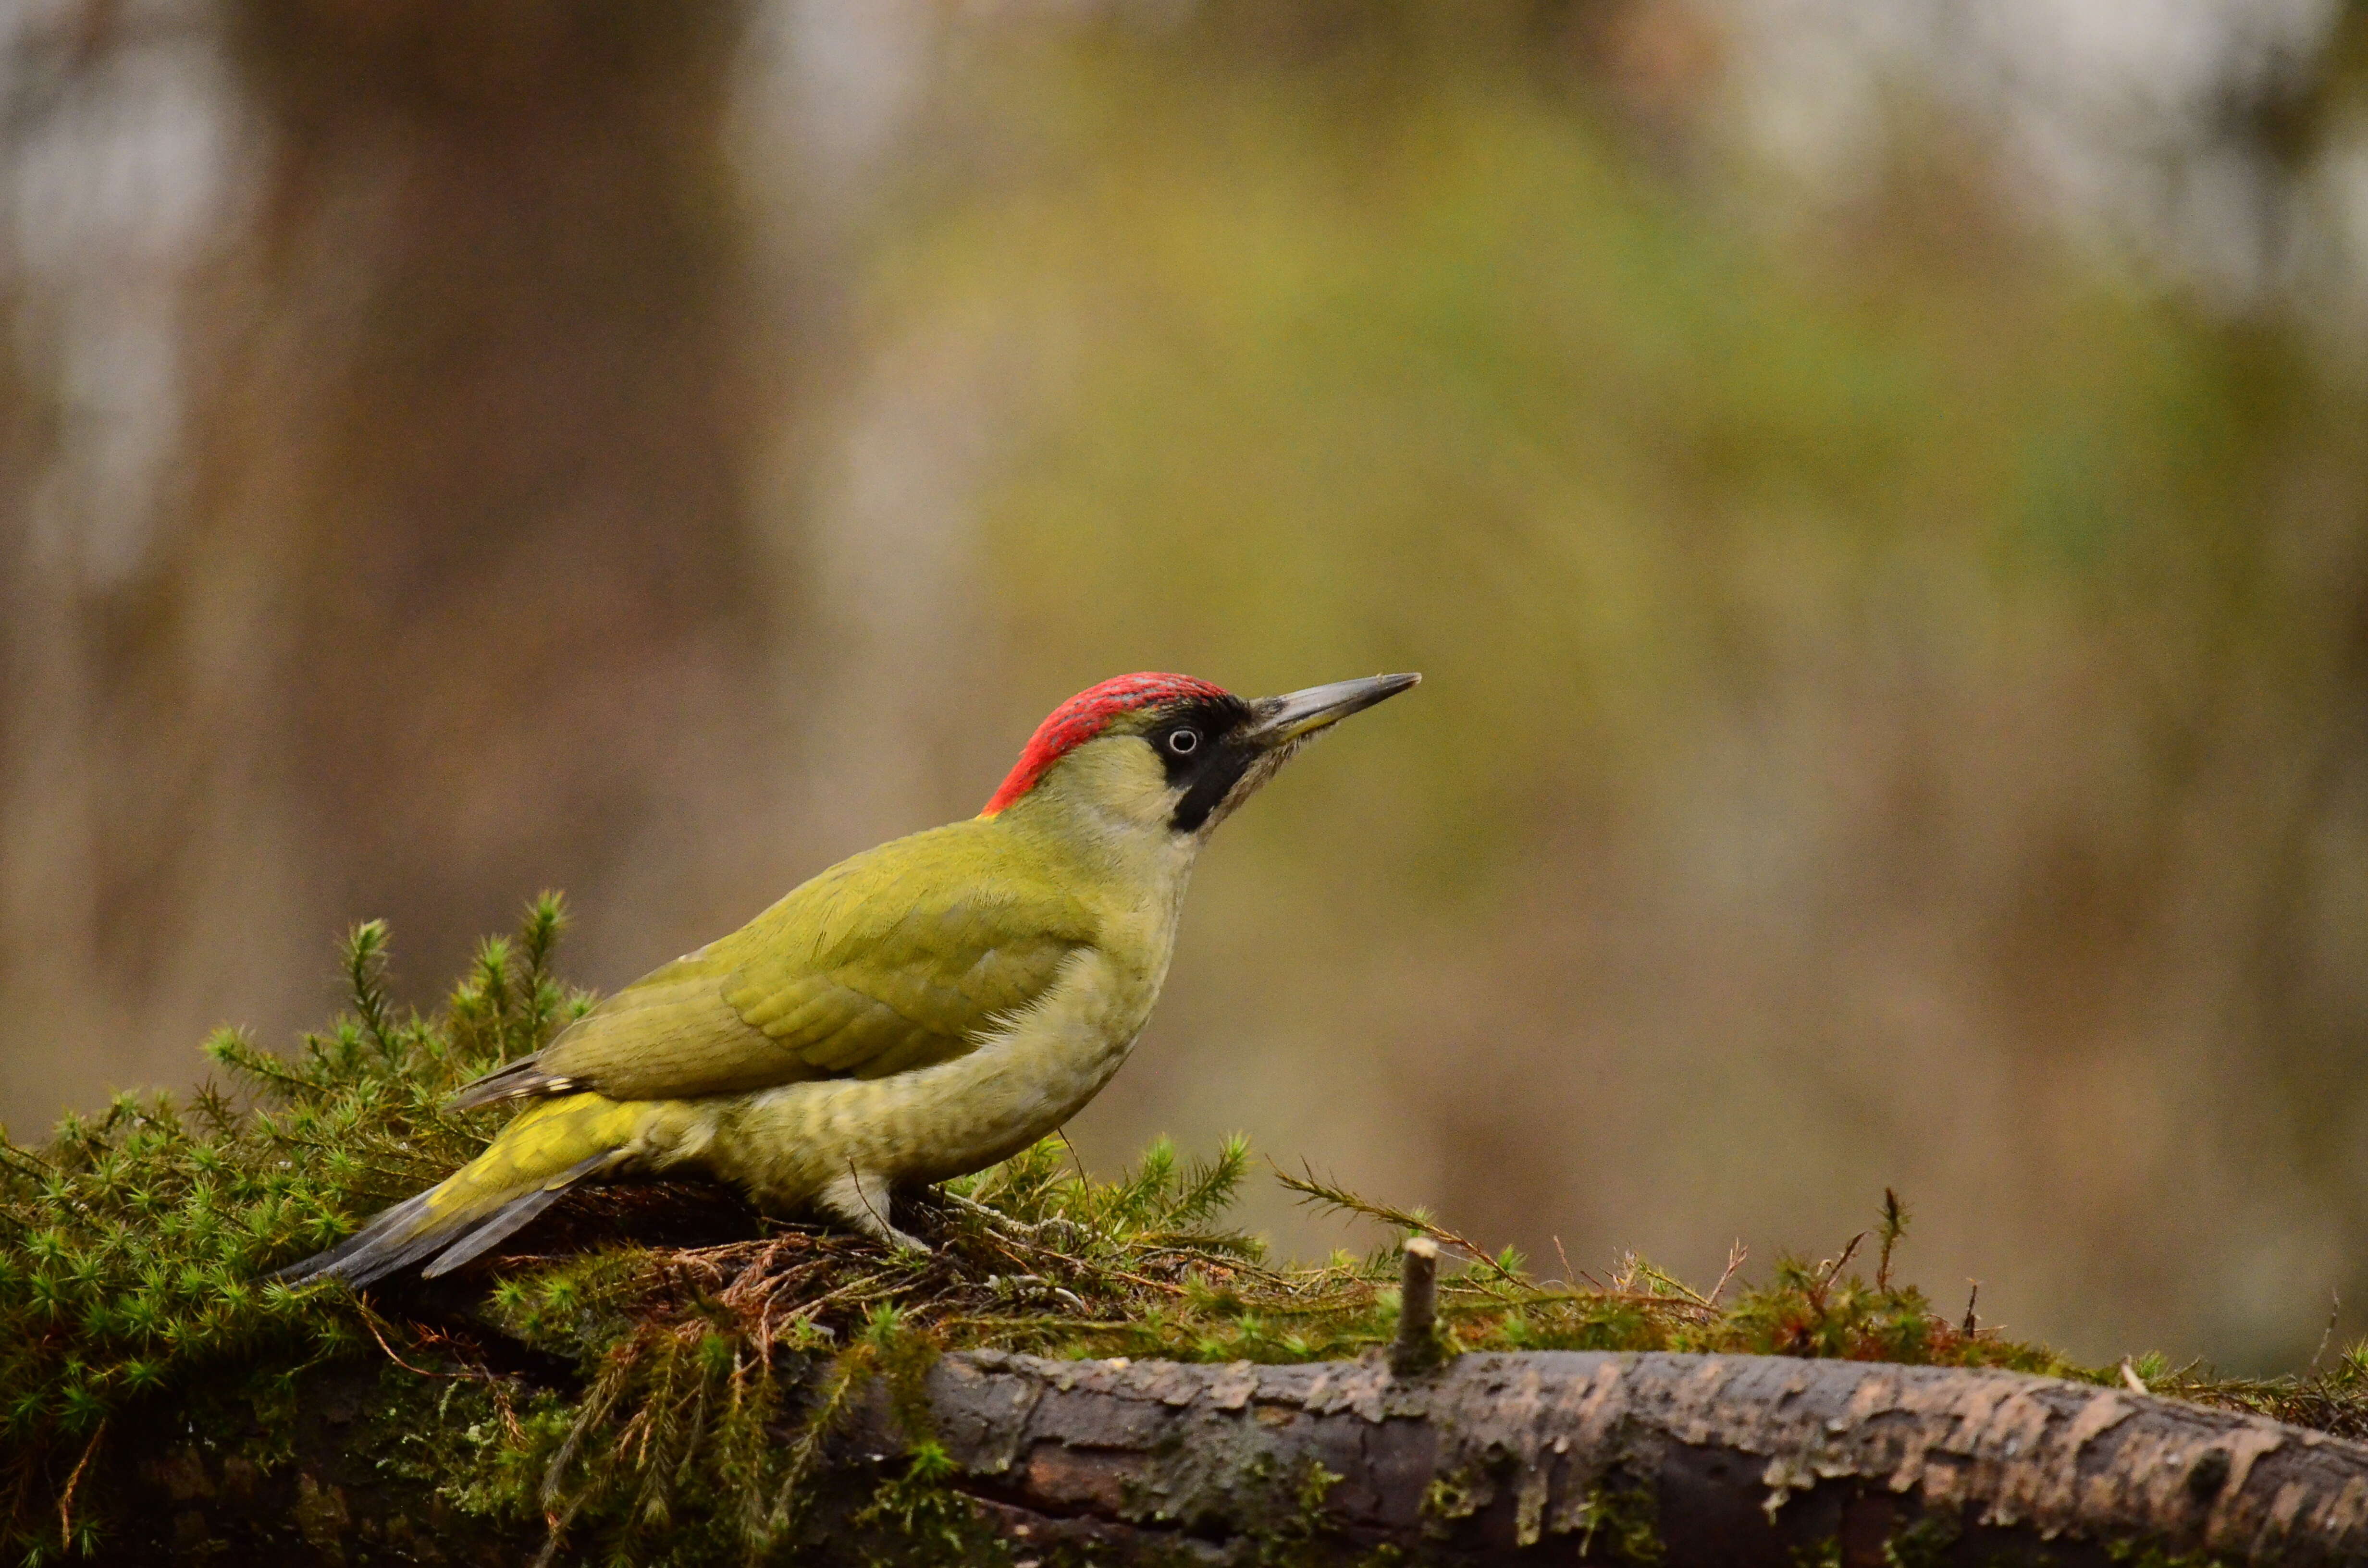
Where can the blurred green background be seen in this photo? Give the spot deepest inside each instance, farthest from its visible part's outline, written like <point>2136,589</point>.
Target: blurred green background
<point>1879,495</point>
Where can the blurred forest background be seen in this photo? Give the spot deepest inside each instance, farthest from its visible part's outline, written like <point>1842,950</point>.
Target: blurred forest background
<point>1879,491</point>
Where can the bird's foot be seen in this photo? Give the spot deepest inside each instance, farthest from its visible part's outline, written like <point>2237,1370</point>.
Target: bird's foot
<point>861,1197</point>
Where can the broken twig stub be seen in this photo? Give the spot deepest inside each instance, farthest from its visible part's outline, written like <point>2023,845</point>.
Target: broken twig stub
<point>1417,1348</point>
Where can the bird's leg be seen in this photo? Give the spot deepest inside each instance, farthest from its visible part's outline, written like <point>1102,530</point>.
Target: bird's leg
<point>861,1197</point>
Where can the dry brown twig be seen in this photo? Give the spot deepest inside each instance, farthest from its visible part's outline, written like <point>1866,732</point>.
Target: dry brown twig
<point>1735,1256</point>
<point>371,1320</point>
<point>65,1498</point>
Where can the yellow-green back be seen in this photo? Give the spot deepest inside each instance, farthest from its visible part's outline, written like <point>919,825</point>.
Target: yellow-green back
<point>892,959</point>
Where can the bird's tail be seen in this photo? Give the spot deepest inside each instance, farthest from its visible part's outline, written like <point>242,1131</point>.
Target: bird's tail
<point>536,1158</point>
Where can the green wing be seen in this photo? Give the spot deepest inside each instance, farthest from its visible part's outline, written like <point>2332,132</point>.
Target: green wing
<point>894,960</point>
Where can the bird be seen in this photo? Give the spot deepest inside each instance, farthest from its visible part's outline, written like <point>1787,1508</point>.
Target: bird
<point>916,1012</point>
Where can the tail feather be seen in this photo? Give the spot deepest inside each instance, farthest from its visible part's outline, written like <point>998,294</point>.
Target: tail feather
<point>357,1252</point>
<point>398,1250</point>
<point>499,1226</point>
<point>536,1158</point>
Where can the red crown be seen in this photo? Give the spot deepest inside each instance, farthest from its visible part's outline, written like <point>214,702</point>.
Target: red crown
<point>1087,714</point>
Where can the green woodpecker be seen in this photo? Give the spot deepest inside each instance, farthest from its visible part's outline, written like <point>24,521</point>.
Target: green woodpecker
<point>914,1013</point>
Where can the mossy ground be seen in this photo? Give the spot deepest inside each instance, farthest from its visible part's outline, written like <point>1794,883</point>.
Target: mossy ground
<point>626,1383</point>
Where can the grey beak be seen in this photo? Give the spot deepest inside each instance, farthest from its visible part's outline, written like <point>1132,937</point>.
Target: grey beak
<point>1295,715</point>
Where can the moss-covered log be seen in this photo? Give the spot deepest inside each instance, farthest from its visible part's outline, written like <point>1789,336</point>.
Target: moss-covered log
<point>655,1374</point>
<point>1547,1457</point>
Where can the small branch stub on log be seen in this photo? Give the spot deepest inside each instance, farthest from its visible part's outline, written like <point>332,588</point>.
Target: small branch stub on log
<point>1417,1348</point>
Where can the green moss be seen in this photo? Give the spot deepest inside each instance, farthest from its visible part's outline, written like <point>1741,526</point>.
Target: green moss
<point>923,1522</point>
<point>636,1396</point>
<point>1923,1544</point>
<point>1619,1521</point>
<point>1303,1537</point>
<point>137,1242</point>
<point>2132,1554</point>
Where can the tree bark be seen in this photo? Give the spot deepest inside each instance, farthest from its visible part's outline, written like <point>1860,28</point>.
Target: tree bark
<point>1686,1460</point>
<point>1731,1460</point>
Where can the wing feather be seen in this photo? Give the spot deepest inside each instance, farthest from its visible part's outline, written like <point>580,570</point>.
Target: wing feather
<point>897,959</point>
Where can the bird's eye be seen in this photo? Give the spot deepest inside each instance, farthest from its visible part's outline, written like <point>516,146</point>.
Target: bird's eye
<point>1183,743</point>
